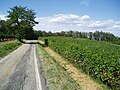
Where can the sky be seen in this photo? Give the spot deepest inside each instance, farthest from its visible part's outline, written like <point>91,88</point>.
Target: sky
<point>76,15</point>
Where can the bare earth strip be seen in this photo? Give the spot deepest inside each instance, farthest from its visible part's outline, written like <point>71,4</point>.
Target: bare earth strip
<point>85,82</point>
<point>19,70</point>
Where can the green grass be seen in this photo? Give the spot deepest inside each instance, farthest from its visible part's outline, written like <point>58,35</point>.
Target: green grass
<point>100,60</point>
<point>58,78</point>
<point>7,47</point>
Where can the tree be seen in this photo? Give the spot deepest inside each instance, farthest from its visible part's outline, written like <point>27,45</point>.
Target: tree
<point>38,34</point>
<point>63,33</point>
<point>49,33</point>
<point>77,34</point>
<point>2,29</point>
<point>70,33</point>
<point>44,34</point>
<point>21,20</point>
<point>96,35</point>
<point>84,35</point>
<point>90,35</point>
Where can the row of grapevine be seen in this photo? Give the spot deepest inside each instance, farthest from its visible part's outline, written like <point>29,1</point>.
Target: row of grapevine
<point>100,60</point>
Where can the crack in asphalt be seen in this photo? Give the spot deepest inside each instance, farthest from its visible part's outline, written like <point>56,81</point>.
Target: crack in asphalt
<point>18,78</point>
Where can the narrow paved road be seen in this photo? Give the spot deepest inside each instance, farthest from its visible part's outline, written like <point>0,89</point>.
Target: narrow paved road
<point>20,70</point>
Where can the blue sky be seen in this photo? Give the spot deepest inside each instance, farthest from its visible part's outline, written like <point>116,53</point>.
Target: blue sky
<point>98,9</point>
<point>100,14</point>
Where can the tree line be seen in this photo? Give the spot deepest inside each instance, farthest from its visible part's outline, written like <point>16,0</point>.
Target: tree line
<point>21,20</point>
<point>97,35</point>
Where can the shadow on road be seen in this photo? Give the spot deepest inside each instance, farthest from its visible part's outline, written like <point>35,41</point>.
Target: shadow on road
<point>35,42</point>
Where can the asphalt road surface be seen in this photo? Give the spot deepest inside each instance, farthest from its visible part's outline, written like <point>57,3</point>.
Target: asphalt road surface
<point>20,70</point>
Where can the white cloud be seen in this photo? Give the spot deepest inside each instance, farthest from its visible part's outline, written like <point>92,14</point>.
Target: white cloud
<point>85,17</point>
<point>116,26</point>
<point>102,24</point>
<point>85,2</point>
<point>2,17</point>
<point>66,22</point>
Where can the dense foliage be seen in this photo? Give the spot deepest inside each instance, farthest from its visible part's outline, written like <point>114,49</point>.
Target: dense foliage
<point>5,33</point>
<point>21,20</point>
<point>19,24</point>
<point>100,60</point>
<point>97,35</point>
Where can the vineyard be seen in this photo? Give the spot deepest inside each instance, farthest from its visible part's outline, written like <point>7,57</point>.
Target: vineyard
<point>100,60</point>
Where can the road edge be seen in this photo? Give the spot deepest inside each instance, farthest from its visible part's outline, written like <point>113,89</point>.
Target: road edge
<point>38,79</point>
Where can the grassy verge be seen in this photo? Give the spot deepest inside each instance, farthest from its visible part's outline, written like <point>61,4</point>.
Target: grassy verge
<point>7,47</point>
<point>58,78</point>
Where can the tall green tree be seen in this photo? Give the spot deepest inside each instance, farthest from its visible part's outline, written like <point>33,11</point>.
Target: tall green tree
<point>90,35</point>
<point>21,20</point>
<point>2,30</point>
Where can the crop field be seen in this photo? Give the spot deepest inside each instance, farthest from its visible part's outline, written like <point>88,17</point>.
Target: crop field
<point>100,60</point>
